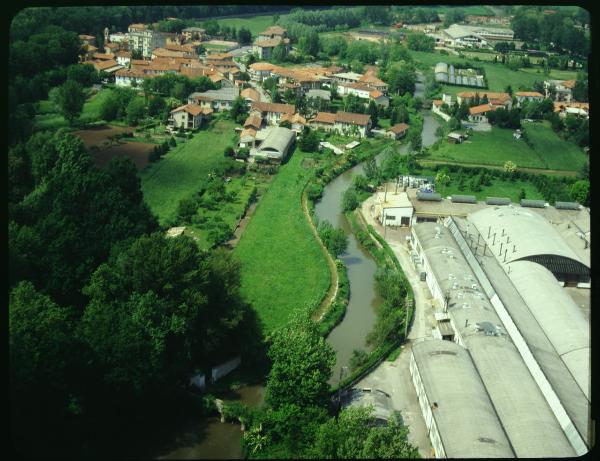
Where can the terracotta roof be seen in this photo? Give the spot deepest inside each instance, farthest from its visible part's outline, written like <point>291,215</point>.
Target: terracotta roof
<point>194,72</point>
<point>262,66</point>
<point>437,102</point>
<point>569,83</point>
<point>297,118</point>
<point>534,94</point>
<point>324,117</point>
<point>86,37</point>
<point>351,118</point>
<point>103,56</point>
<point>219,56</point>
<point>139,62</point>
<point>248,132</point>
<point>489,94</point>
<point>132,73</point>
<point>274,107</point>
<point>560,106</point>
<point>482,109</point>
<point>123,54</point>
<point>111,45</point>
<point>250,93</point>
<point>216,77</point>
<point>137,26</point>
<point>398,128</point>
<point>167,53</point>
<point>372,80</point>
<point>103,65</point>
<point>90,48</point>
<point>177,47</point>
<point>273,30</point>
<point>193,109</point>
<point>273,42</point>
<point>254,120</point>
<point>375,94</point>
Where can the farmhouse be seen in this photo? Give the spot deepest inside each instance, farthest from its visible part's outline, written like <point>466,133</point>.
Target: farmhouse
<point>189,116</point>
<point>579,109</point>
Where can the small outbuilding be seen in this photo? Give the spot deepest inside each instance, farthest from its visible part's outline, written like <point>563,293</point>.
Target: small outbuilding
<point>393,209</point>
<point>455,138</point>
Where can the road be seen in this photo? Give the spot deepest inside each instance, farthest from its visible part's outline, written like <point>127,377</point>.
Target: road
<point>394,377</point>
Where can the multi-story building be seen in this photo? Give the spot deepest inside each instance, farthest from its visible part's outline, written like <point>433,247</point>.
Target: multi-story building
<point>141,38</point>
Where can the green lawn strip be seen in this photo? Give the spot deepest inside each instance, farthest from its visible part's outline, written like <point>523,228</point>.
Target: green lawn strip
<point>254,24</point>
<point>177,174</point>
<point>491,148</point>
<point>557,153</point>
<point>557,74</point>
<point>498,188</point>
<point>283,266</point>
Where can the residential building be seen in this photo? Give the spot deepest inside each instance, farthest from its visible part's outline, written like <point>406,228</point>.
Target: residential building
<point>563,89</point>
<point>130,77</point>
<point>272,112</point>
<point>141,38</point>
<point>478,114</point>
<point>343,122</point>
<point>218,100</point>
<point>118,37</point>
<point>193,33</point>
<point>123,58</point>
<point>296,121</point>
<point>398,131</point>
<point>250,95</point>
<point>110,66</point>
<point>264,48</point>
<point>189,116</point>
<point>248,137</point>
<point>111,48</point>
<point>373,82</point>
<point>273,32</point>
<point>528,96</point>
<point>87,39</point>
<point>497,99</point>
<point>260,71</point>
<point>347,77</point>
<point>579,109</point>
<point>319,94</point>
<point>379,98</point>
<point>165,53</point>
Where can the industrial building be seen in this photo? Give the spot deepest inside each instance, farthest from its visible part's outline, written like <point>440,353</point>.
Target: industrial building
<point>276,145</point>
<point>494,273</point>
<point>393,209</point>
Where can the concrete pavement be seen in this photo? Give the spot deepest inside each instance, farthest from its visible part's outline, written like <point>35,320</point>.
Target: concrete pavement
<point>394,377</point>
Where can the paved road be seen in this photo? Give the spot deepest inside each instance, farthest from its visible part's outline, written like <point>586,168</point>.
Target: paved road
<point>394,377</point>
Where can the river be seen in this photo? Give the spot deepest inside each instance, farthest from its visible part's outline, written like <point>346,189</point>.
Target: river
<point>207,437</point>
<point>360,315</point>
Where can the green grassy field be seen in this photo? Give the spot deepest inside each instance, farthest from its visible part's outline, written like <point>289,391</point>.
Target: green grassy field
<point>283,266</point>
<point>177,174</point>
<point>496,147</point>
<point>254,24</point>
<point>498,188</point>
<point>49,119</point>
<point>498,75</point>
<point>471,9</point>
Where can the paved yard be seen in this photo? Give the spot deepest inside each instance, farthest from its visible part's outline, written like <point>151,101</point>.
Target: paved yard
<point>394,377</point>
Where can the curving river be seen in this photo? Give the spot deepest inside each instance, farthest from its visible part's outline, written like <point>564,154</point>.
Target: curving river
<point>207,437</point>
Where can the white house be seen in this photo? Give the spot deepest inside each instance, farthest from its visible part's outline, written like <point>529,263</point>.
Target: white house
<point>273,112</point>
<point>189,116</point>
<point>528,96</point>
<point>393,209</point>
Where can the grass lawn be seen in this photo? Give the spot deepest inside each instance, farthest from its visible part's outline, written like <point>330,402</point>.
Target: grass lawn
<point>498,188</point>
<point>283,267</point>
<point>498,75</point>
<point>176,175</point>
<point>48,119</point>
<point>471,9</point>
<point>556,74</point>
<point>495,147</point>
<point>255,24</point>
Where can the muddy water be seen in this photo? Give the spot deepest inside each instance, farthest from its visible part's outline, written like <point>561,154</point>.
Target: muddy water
<point>207,437</point>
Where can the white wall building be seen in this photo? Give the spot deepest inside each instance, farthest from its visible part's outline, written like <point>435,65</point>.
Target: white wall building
<point>393,209</point>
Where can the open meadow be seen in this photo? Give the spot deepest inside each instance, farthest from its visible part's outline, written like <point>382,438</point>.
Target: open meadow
<point>177,174</point>
<point>547,150</point>
<point>255,24</point>
<point>283,266</point>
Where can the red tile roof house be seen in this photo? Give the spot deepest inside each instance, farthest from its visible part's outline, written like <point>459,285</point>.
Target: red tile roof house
<point>397,131</point>
<point>479,113</point>
<point>189,116</point>
<point>497,99</point>
<point>272,112</point>
<point>343,122</point>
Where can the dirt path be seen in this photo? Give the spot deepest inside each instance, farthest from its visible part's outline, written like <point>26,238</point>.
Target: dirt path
<point>333,287</point>
<point>499,167</point>
<point>242,225</point>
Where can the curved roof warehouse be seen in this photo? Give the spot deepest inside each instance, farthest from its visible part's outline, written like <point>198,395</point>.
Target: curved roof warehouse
<point>277,144</point>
